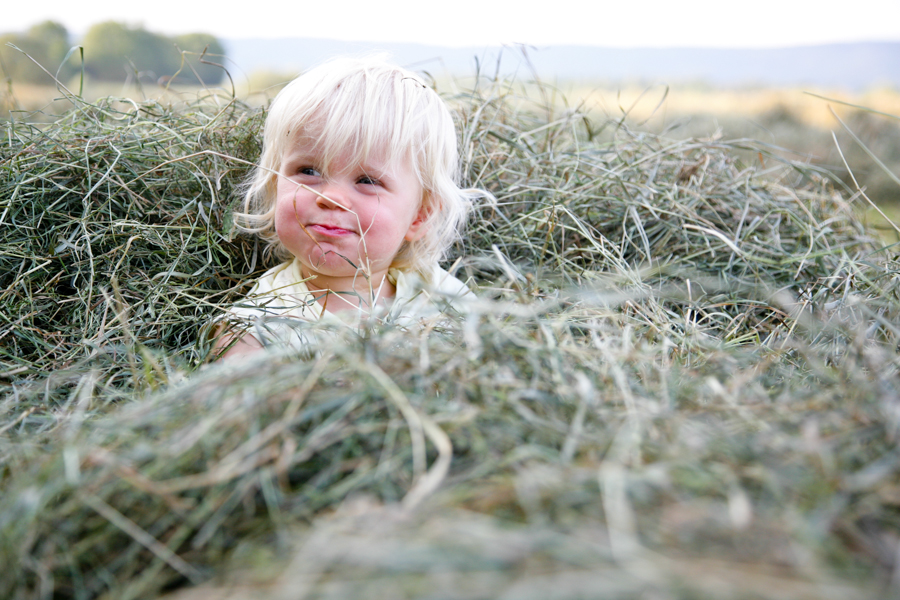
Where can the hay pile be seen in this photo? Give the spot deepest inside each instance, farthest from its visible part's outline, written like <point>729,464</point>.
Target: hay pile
<point>681,380</point>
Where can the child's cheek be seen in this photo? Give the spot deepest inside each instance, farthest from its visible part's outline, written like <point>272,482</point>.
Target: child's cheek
<point>286,225</point>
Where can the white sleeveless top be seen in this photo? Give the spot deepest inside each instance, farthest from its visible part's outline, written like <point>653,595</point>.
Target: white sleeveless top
<point>280,303</point>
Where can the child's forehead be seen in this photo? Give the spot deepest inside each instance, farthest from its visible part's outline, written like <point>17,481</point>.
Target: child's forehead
<point>311,146</point>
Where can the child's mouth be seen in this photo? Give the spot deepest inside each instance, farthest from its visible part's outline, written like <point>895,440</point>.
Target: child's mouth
<point>329,230</point>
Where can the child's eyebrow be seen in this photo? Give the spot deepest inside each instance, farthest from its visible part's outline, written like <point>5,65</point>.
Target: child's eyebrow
<point>296,155</point>
<point>300,157</point>
<point>376,168</point>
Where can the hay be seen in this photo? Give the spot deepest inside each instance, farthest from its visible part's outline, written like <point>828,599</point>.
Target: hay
<point>115,230</point>
<point>681,381</point>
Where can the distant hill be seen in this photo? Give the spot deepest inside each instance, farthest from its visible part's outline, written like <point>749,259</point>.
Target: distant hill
<point>852,66</point>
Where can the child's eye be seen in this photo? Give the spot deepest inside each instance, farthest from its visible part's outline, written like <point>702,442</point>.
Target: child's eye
<point>366,180</point>
<point>309,171</point>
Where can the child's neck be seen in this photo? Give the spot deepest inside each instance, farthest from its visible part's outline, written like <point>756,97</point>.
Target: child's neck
<point>338,294</point>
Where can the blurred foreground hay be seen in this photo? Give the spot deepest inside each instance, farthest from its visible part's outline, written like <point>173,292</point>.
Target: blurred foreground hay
<point>680,380</point>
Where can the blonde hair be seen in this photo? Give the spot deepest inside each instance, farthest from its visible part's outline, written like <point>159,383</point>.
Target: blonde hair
<point>372,109</point>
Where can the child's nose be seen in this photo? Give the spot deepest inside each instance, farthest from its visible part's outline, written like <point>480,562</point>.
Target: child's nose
<point>333,195</point>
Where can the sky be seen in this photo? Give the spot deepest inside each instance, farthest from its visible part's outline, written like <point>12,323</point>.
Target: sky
<point>458,23</point>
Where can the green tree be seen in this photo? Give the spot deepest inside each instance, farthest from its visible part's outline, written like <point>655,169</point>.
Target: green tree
<point>193,46</point>
<point>47,43</point>
<point>54,37</point>
<point>113,50</point>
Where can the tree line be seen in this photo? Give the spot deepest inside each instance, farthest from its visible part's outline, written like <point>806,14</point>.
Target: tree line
<point>112,51</point>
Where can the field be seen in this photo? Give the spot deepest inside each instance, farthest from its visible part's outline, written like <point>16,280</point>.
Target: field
<point>799,124</point>
<point>816,126</point>
<point>680,379</point>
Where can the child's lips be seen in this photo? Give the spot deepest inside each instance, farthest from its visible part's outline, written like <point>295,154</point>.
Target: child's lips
<point>328,230</point>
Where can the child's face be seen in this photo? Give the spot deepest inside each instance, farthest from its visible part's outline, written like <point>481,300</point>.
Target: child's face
<point>359,214</point>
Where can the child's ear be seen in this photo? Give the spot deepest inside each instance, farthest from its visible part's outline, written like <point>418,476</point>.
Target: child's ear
<point>419,225</point>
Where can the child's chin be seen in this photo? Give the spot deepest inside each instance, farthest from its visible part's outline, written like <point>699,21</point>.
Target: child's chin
<point>332,266</point>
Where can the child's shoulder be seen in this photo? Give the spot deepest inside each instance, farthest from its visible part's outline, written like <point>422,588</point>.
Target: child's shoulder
<point>434,280</point>
<point>428,297</point>
<point>446,284</point>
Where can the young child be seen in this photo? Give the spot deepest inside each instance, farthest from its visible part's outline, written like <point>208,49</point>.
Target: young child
<point>357,190</point>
